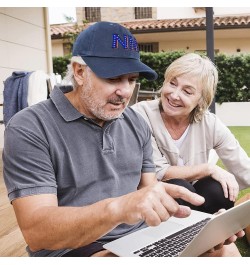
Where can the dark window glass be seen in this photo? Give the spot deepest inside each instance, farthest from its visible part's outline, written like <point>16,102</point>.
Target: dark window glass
<point>143,12</point>
<point>149,47</point>
<point>67,48</point>
<point>93,14</point>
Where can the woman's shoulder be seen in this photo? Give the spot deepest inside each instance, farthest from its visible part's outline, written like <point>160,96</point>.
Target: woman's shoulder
<point>149,110</point>
<point>212,124</point>
<point>146,106</point>
<point>211,119</point>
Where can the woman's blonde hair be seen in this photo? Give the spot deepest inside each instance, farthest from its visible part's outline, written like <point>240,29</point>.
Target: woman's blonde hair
<point>201,67</point>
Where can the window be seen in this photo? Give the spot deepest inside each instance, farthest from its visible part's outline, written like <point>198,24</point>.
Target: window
<point>149,47</point>
<point>143,12</point>
<point>93,14</point>
<point>67,48</point>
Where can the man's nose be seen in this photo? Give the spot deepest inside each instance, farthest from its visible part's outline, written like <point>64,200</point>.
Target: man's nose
<point>125,89</point>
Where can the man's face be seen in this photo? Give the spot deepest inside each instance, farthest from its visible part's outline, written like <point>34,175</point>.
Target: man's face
<point>106,99</point>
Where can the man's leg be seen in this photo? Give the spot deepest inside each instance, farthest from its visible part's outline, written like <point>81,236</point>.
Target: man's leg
<point>104,253</point>
<point>227,251</point>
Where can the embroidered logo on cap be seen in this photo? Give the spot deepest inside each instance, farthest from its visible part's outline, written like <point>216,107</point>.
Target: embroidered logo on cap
<point>128,42</point>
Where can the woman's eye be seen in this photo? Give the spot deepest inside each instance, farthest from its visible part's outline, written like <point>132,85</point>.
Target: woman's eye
<point>188,92</point>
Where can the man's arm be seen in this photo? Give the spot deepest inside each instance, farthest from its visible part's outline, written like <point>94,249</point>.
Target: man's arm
<point>45,225</point>
<point>147,179</point>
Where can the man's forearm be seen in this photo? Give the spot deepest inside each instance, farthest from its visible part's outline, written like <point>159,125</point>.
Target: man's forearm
<point>53,227</point>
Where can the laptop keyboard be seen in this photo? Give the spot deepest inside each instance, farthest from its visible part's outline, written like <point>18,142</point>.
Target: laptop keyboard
<point>173,245</point>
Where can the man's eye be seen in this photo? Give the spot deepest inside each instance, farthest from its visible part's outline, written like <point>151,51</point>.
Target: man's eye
<point>113,79</point>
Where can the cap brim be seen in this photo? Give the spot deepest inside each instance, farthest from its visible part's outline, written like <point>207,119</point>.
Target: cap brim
<point>112,67</point>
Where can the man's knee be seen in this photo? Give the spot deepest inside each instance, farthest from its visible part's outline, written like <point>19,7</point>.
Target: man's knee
<point>226,251</point>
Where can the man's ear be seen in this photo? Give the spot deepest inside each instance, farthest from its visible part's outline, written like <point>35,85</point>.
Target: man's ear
<point>79,73</point>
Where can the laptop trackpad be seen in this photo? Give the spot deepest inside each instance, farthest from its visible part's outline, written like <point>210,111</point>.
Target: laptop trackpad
<point>165,228</point>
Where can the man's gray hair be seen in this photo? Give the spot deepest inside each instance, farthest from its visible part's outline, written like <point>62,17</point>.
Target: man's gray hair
<point>69,78</point>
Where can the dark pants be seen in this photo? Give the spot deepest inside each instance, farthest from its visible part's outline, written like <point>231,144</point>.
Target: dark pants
<point>208,188</point>
<point>86,251</point>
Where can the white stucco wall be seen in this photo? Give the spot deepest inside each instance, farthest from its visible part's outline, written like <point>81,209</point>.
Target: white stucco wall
<point>189,12</point>
<point>234,113</point>
<point>24,44</point>
<point>57,48</point>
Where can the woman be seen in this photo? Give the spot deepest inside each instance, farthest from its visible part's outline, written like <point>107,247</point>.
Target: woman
<point>184,132</point>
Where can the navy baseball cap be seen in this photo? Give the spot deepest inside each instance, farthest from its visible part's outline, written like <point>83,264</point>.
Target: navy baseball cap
<point>110,50</point>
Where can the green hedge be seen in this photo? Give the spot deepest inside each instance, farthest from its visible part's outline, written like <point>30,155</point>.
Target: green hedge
<point>234,78</point>
<point>234,73</point>
<point>60,64</point>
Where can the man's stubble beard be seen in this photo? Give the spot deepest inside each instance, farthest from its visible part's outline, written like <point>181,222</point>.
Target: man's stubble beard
<point>95,106</point>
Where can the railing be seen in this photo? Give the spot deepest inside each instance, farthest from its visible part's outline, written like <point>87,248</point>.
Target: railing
<point>148,95</point>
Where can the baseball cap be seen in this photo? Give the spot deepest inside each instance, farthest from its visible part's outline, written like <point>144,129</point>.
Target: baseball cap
<point>110,50</point>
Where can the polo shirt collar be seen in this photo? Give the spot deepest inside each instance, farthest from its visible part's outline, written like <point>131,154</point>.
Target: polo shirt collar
<point>63,105</point>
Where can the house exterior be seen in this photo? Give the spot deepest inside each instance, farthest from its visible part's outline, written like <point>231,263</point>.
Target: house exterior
<point>25,44</point>
<point>166,28</point>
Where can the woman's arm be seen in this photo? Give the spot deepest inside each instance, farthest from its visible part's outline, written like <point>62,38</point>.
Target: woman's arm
<point>189,173</point>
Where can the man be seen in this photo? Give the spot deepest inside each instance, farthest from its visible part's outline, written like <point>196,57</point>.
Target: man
<point>78,166</point>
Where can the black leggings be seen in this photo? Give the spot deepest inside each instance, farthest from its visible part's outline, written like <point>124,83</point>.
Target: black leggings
<point>208,188</point>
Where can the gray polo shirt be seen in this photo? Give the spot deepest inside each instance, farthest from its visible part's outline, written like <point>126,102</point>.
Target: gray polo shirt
<point>52,148</point>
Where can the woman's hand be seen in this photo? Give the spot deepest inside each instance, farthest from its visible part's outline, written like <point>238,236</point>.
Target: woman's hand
<point>228,182</point>
<point>228,241</point>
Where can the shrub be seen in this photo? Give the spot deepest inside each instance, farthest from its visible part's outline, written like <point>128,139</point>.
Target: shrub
<point>60,64</point>
<point>234,73</point>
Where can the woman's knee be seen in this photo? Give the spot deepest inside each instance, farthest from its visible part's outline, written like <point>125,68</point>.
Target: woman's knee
<point>214,196</point>
<point>182,182</point>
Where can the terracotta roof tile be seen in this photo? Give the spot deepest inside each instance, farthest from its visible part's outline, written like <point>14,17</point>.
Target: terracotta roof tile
<point>150,25</point>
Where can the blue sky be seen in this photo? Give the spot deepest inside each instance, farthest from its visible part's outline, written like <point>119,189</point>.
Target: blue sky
<point>56,14</point>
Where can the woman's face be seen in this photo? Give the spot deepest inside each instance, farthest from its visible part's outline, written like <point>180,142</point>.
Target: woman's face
<point>180,96</point>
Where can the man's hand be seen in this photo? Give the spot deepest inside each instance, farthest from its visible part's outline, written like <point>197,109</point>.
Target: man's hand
<point>153,204</point>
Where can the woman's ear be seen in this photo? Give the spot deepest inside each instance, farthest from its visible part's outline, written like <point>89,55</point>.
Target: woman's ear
<point>79,73</point>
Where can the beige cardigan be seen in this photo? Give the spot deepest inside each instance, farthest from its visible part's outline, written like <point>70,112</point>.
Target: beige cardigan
<point>209,133</point>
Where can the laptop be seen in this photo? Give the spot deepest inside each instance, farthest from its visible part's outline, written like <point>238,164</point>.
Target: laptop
<point>183,237</point>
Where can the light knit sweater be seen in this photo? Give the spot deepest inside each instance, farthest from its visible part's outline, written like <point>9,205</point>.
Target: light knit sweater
<point>209,133</point>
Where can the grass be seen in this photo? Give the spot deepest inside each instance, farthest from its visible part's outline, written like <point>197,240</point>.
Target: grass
<point>242,134</point>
